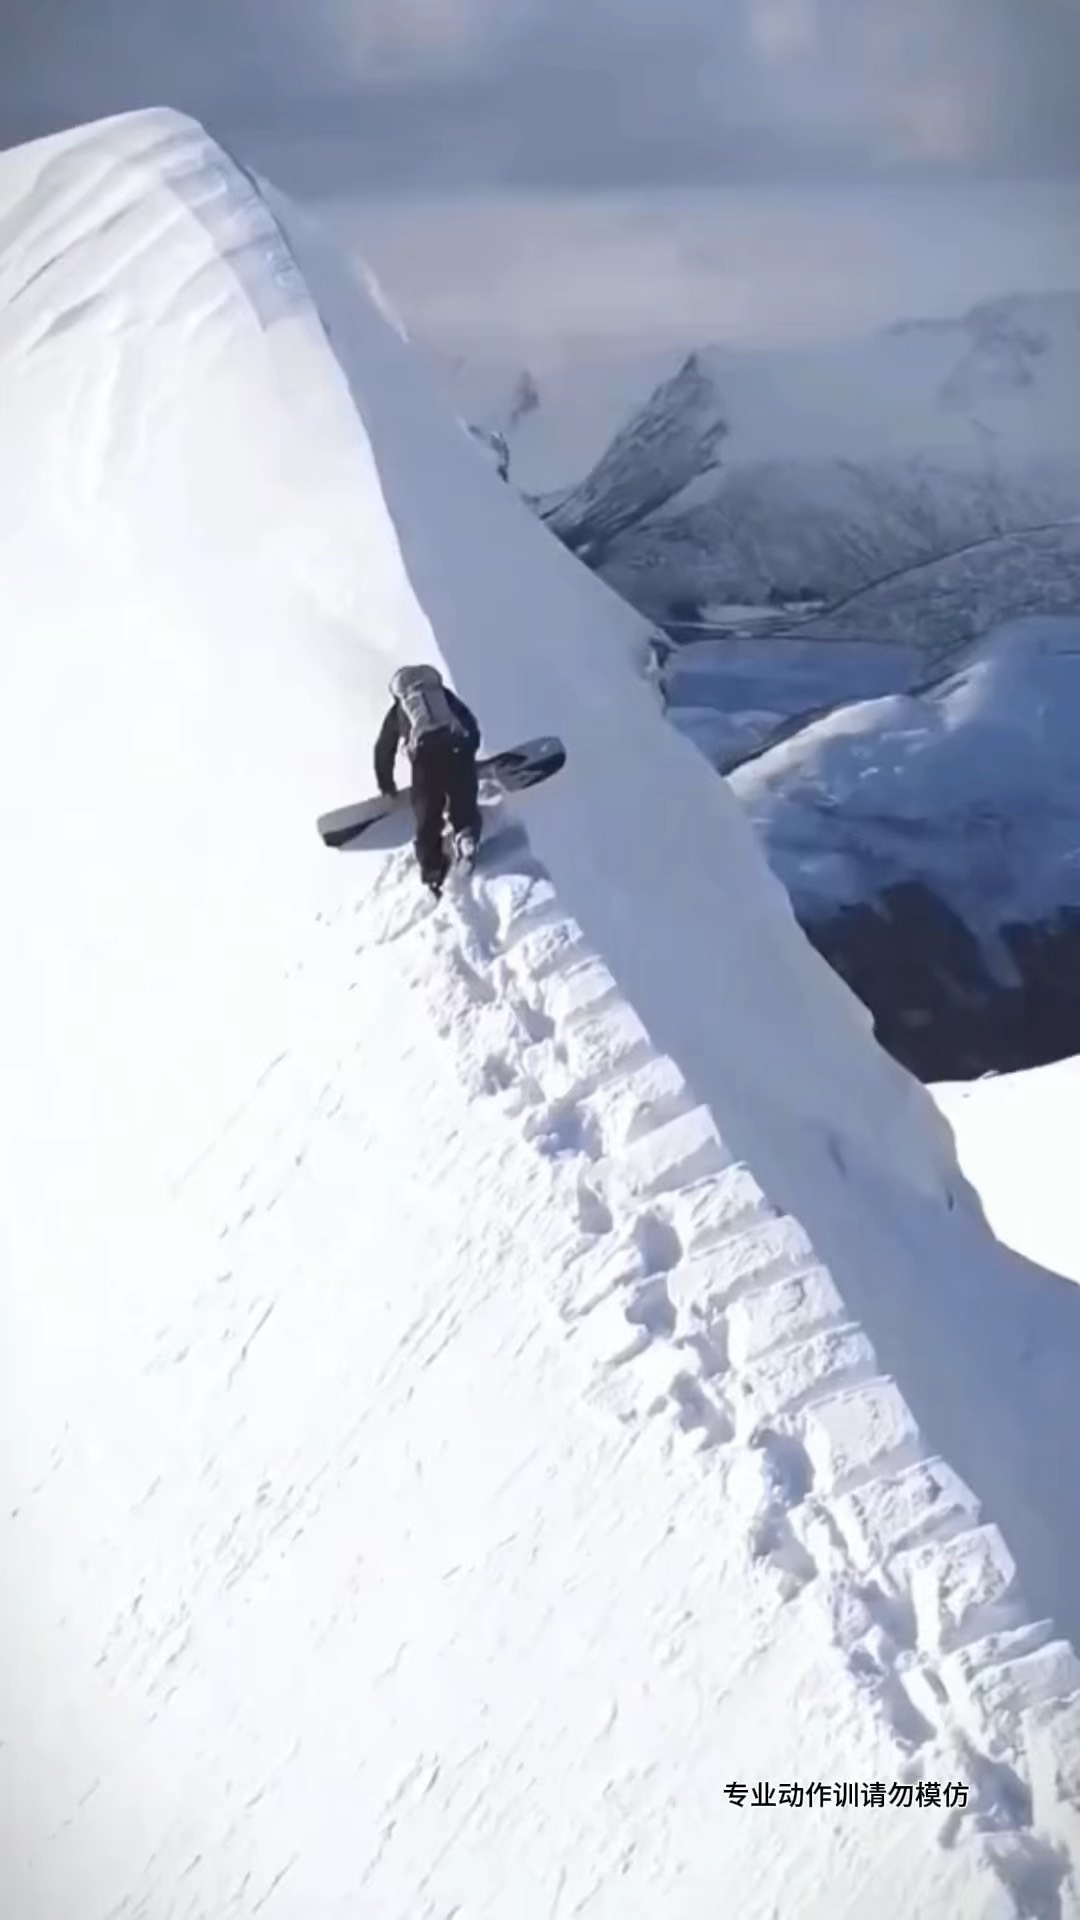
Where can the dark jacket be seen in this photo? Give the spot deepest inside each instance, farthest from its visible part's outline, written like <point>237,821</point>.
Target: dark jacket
<point>391,737</point>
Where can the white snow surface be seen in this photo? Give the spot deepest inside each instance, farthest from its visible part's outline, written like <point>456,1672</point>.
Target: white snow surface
<point>478,1381</point>
<point>1016,1135</point>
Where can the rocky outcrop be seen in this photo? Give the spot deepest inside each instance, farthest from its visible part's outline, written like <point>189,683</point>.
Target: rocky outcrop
<point>669,442</point>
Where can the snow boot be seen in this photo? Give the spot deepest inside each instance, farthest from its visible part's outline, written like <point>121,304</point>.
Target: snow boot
<point>465,849</point>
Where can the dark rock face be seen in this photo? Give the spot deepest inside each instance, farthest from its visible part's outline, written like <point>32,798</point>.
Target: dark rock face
<point>668,443</point>
<point>938,1008</point>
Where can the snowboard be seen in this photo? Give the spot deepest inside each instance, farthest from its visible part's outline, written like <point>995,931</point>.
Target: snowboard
<point>386,820</point>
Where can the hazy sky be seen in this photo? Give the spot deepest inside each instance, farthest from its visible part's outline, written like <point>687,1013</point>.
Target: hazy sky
<point>546,277</point>
<point>536,172</point>
<point>553,93</point>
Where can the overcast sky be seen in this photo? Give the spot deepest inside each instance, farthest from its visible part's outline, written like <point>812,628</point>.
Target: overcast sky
<point>547,178</point>
<point>423,94</point>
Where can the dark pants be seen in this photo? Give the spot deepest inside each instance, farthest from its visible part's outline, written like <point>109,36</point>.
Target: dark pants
<point>444,780</point>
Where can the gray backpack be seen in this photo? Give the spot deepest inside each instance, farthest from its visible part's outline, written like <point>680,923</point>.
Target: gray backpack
<point>425,709</point>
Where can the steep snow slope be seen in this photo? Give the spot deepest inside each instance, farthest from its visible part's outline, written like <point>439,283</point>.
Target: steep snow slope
<point>1016,1135</point>
<point>436,1467</point>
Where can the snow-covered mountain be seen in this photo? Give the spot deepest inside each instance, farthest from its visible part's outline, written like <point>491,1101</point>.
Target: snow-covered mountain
<point>744,476</point>
<point>940,608</point>
<point>820,530</point>
<point>755,683</point>
<point>510,1409</point>
<point>931,845</point>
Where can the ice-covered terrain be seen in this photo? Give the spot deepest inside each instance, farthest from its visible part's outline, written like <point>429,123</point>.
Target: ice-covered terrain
<point>931,844</point>
<point>733,695</point>
<point>483,1386</point>
<point>752,476</point>
<point>1016,1135</point>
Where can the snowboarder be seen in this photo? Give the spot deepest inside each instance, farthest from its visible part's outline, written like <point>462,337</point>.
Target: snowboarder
<point>441,738</point>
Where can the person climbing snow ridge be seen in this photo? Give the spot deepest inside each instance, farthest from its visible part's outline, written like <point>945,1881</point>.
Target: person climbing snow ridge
<point>441,738</point>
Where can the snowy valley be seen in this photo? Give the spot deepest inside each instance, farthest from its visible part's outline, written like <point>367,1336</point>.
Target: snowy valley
<point>511,1408</point>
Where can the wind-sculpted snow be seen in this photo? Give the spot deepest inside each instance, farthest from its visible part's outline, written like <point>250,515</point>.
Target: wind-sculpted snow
<point>491,1382</point>
<point>125,183</point>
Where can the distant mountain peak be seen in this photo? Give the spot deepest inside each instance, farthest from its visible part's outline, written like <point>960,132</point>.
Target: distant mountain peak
<point>1008,338</point>
<point>670,441</point>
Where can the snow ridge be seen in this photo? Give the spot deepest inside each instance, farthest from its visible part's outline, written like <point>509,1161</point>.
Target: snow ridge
<point>325,1534</point>
<point>697,1302</point>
